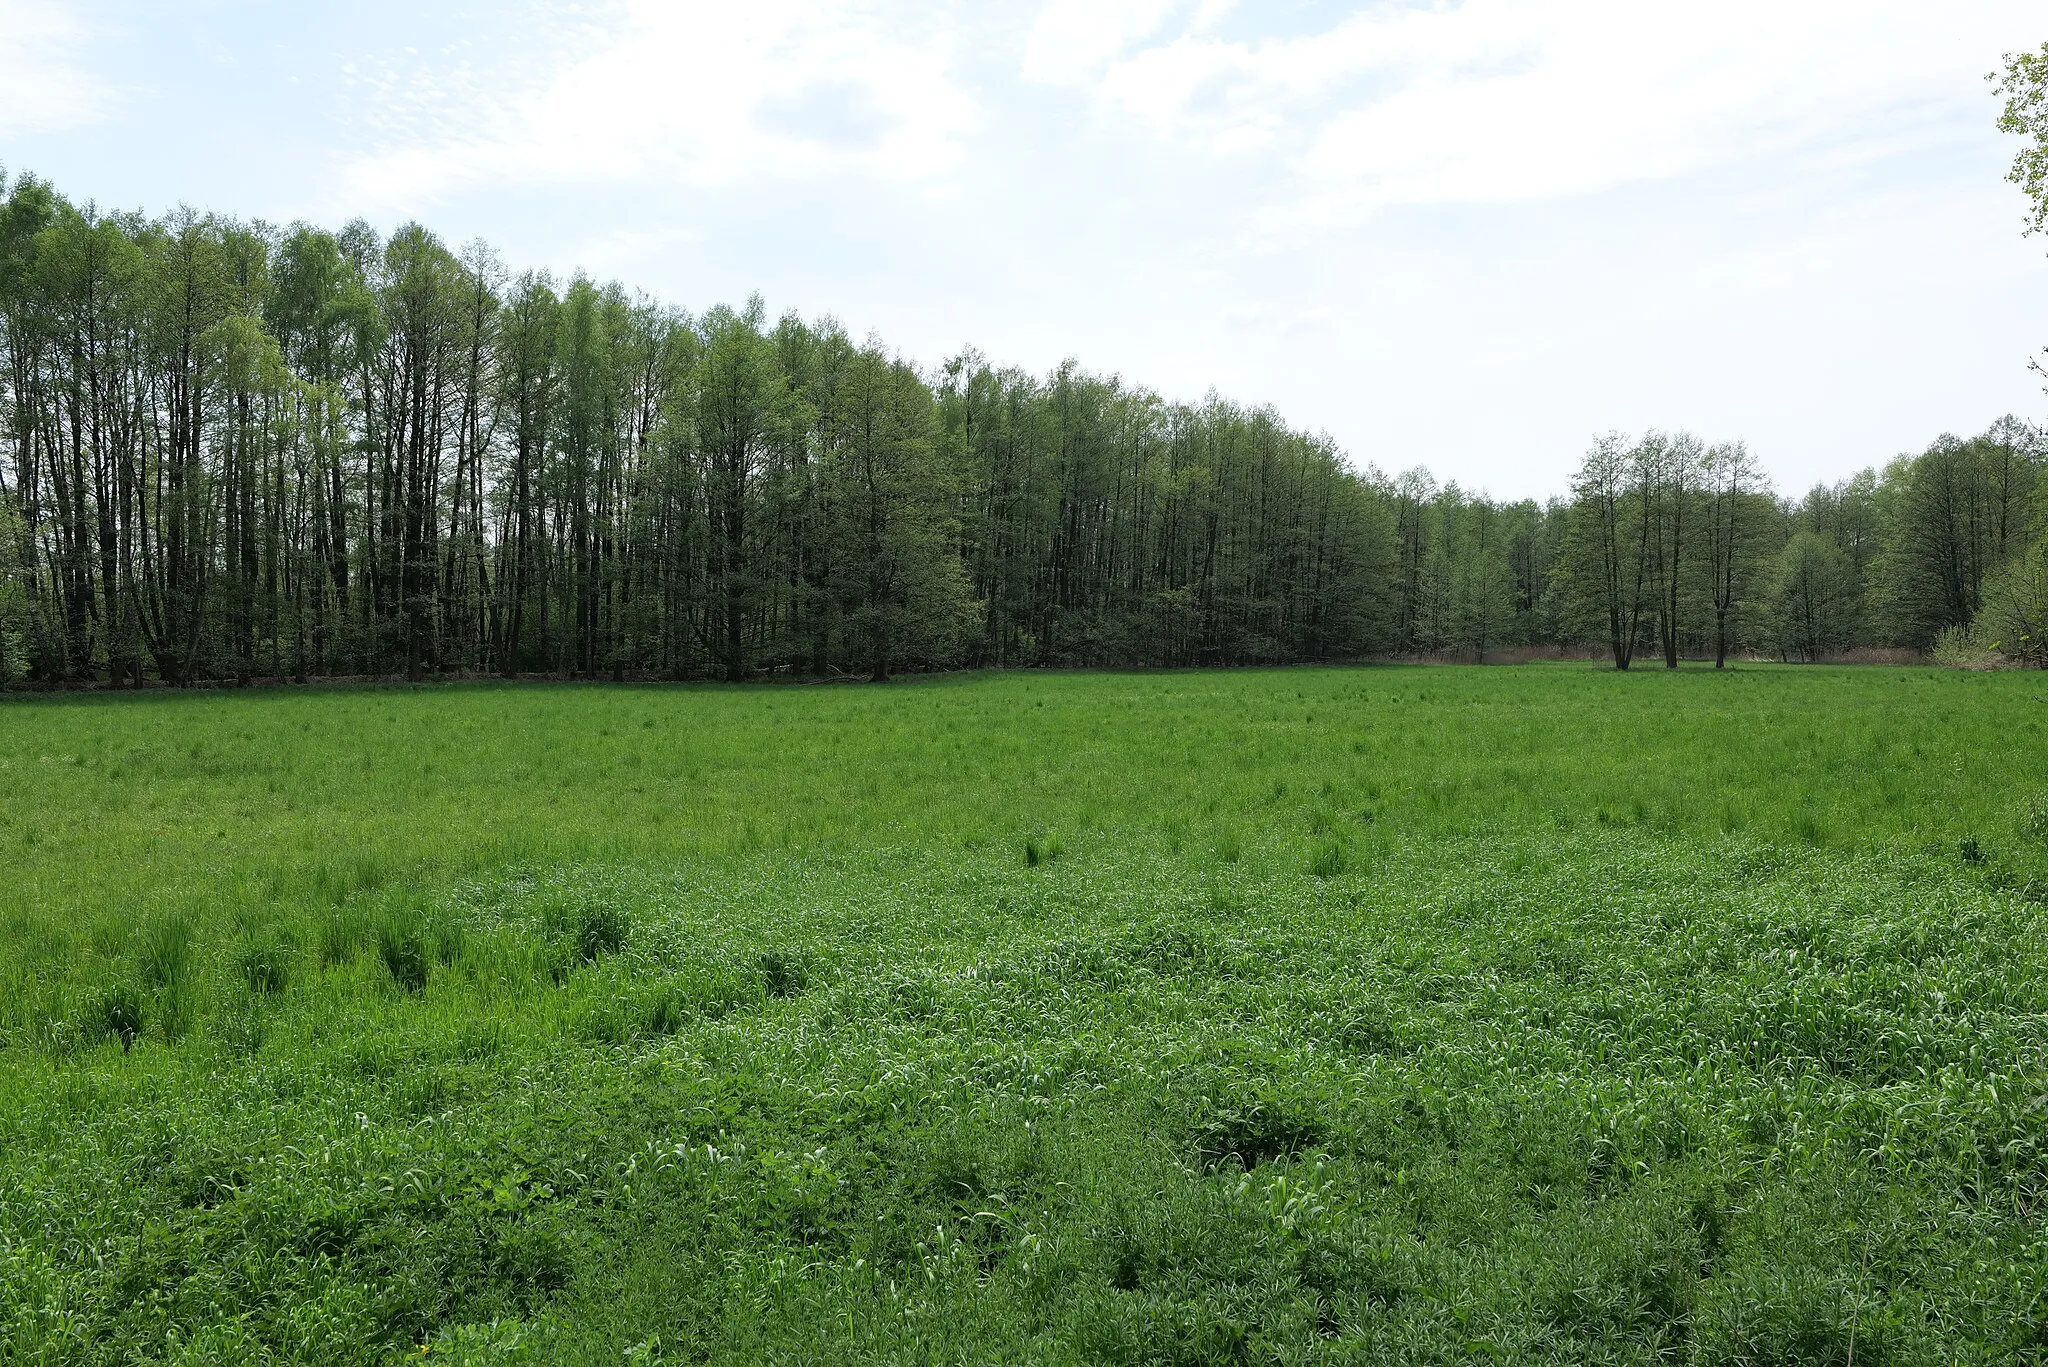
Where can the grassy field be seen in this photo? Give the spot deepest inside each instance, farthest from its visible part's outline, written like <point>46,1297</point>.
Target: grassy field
<point>1378,1015</point>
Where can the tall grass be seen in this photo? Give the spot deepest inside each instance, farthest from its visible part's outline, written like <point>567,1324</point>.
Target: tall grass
<point>302,798</point>
<point>1351,1015</point>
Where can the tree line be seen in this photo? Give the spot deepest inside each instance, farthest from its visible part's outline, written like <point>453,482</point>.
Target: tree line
<point>236,451</point>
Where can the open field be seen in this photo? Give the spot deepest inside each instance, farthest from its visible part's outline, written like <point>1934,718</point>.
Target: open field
<point>1405,1015</point>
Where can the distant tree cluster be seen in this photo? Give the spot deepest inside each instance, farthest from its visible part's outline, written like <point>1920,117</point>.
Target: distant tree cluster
<point>1680,549</point>
<point>234,451</point>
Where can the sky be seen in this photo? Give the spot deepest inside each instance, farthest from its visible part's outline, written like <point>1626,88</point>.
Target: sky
<point>1470,236</point>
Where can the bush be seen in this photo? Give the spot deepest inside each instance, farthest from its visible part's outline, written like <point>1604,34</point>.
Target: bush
<point>1961,648</point>
<point>2014,615</point>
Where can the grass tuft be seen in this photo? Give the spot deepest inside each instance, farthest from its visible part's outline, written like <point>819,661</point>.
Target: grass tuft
<point>1042,850</point>
<point>666,1016</point>
<point>783,975</point>
<point>1255,1131</point>
<point>265,964</point>
<point>166,953</point>
<point>2035,822</point>
<point>118,1011</point>
<point>600,930</point>
<point>405,946</point>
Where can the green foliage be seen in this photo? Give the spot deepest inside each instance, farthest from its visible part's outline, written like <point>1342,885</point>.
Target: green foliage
<point>1952,517</point>
<point>1812,599</point>
<point>381,457</point>
<point>2014,618</point>
<point>165,954</point>
<point>783,974</point>
<point>2024,85</point>
<point>1963,648</point>
<point>2035,823</point>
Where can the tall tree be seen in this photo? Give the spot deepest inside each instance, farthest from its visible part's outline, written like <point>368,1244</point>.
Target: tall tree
<point>1811,597</point>
<point>904,588</point>
<point>1606,564</point>
<point>1958,511</point>
<point>1736,512</point>
<point>1673,472</point>
<point>741,398</point>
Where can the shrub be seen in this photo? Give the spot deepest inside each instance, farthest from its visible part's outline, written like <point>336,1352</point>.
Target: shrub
<point>2015,611</point>
<point>1963,648</point>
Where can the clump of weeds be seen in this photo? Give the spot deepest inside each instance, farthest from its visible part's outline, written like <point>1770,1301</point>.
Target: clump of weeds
<point>1042,850</point>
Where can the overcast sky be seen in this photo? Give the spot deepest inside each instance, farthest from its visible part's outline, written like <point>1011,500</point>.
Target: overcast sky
<point>1468,235</point>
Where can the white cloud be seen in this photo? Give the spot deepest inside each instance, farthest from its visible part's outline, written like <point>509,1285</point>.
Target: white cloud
<point>617,254</point>
<point>1073,40</point>
<point>1614,92</point>
<point>701,93</point>
<point>42,87</point>
<point>1517,100</point>
<point>1487,101</point>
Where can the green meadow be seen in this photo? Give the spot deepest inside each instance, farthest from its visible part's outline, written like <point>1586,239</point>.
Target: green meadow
<point>1405,1015</point>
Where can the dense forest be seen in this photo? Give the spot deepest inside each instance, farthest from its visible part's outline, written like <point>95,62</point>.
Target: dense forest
<point>232,451</point>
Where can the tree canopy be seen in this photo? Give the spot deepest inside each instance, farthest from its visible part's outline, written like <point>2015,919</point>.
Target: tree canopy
<point>233,451</point>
